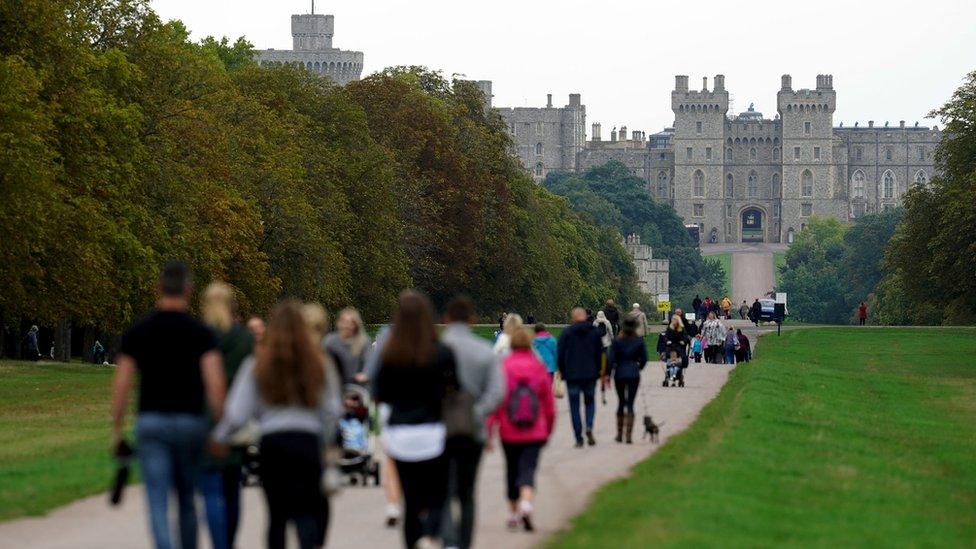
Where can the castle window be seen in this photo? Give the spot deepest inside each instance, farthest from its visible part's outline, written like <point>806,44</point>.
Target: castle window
<point>776,153</point>
<point>921,178</point>
<point>729,186</point>
<point>538,149</point>
<point>698,127</point>
<point>806,183</point>
<point>776,211</point>
<point>777,186</point>
<point>858,152</point>
<point>698,184</point>
<point>538,169</point>
<point>888,185</point>
<point>728,154</point>
<point>728,211</point>
<point>539,128</point>
<point>806,210</point>
<point>816,153</point>
<point>857,184</point>
<point>806,128</point>
<point>698,210</point>
<point>887,153</point>
<point>921,152</point>
<point>708,153</point>
<point>662,184</point>
<point>796,153</point>
<point>752,154</point>
<point>753,185</point>
<point>688,153</point>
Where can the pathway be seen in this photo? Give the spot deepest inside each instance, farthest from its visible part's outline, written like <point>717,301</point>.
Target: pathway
<point>567,479</point>
<point>752,276</point>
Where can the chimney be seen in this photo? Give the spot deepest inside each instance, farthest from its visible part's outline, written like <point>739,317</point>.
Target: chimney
<point>622,134</point>
<point>574,100</point>
<point>719,82</point>
<point>901,123</point>
<point>681,83</point>
<point>787,83</point>
<point>613,135</point>
<point>635,135</point>
<point>704,83</point>
<point>870,123</point>
<point>548,100</point>
<point>596,131</point>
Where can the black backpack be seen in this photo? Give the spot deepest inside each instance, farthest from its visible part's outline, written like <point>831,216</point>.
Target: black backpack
<point>523,405</point>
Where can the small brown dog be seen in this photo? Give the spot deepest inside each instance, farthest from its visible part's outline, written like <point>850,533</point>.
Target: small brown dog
<point>652,429</point>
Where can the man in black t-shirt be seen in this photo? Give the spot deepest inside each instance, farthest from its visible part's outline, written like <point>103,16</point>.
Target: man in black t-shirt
<point>179,369</point>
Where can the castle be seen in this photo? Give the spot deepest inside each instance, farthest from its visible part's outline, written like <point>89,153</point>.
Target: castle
<point>312,47</point>
<point>742,178</point>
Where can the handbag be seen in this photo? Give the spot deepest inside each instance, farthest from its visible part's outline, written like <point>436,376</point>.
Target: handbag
<point>457,408</point>
<point>558,386</point>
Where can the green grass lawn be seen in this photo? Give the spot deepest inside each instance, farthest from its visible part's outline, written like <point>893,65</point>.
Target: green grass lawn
<point>831,438</point>
<point>54,423</point>
<point>779,259</point>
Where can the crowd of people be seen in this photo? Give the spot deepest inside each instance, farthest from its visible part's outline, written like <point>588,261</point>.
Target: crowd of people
<point>211,386</point>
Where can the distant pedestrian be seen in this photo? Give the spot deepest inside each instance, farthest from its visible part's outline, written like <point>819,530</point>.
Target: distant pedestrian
<point>98,352</point>
<point>180,369</point>
<point>641,319</point>
<point>744,351</point>
<point>220,482</point>
<point>731,345</point>
<point>293,392</point>
<point>714,332</point>
<point>628,355</point>
<point>612,315</point>
<point>503,345</point>
<point>862,313</point>
<point>744,310</point>
<point>580,350</point>
<point>678,340</point>
<point>546,347</point>
<point>33,349</point>
<point>696,304</point>
<point>696,348</point>
<point>415,373</point>
<point>756,312</point>
<point>726,307</point>
<point>349,346</point>
<point>525,421</point>
<point>480,377</point>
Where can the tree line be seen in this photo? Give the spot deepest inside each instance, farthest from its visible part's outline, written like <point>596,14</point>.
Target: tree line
<point>914,265</point>
<point>124,144</point>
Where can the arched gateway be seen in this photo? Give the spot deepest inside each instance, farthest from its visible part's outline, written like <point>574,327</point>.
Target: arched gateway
<point>752,225</point>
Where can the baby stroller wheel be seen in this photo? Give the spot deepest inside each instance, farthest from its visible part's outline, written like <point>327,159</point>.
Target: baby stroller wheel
<point>664,383</point>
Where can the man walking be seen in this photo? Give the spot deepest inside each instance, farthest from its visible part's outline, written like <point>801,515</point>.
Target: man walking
<point>756,313</point>
<point>480,376</point>
<point>641,319</point>
<point>862,313</point>
<point>179,367</point>
<point>579,350</point>
<point>610,311</point>
<point>744,310</point>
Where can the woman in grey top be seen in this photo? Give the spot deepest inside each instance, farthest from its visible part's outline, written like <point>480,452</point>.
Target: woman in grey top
<point>349,345</point>
<point>292,391</point>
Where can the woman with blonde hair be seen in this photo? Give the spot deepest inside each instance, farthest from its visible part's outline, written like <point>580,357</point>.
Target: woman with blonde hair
<point>349,346</point>
<point>220,482</point>
<point>503,345</point>
<point>287,387</point>
<point>677,340</point>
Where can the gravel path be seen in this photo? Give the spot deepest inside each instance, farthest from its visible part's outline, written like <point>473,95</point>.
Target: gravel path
<point>567,478</point>
<point>752,276</point>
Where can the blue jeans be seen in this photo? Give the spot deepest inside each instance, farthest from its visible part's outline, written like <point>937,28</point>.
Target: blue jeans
<point>221,490</point>
<point>730,355</point>
<point>170,447</point>
<point>588,389</point>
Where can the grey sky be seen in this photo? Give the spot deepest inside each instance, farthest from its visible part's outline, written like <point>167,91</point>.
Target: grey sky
<point>891,60</point>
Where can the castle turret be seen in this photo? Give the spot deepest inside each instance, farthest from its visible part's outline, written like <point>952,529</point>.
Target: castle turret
<point>311,32</point>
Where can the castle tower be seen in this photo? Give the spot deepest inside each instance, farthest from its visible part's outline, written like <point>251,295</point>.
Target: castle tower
<point>807,157</point>
<point>311,32</point>
<point>699,134</point>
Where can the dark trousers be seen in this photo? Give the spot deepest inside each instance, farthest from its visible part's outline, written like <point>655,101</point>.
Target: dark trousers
<point>861,321</point>
<point>521,460</point>
<point>424,485</point>
<point>291,474</point>
<point>587,388</point>
<point>626,395</point>
<point>463,455</point>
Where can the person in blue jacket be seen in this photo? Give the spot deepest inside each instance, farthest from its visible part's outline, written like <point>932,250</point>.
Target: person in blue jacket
<point>579,355</point>
<point>545,346</point>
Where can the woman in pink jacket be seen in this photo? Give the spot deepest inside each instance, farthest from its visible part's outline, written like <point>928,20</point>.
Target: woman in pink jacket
<point>524,421</point>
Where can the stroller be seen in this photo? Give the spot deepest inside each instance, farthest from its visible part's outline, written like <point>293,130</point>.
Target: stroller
<point>674,374</point>
<point>356,438</point>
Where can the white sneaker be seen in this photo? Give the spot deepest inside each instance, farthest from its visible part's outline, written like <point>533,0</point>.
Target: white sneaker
<point>392,515</point>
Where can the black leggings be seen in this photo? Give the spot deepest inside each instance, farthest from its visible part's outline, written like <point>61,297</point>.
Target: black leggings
<point>521,460</point>
<point>626,395</point>
<point>424,485</point>
<point>291,474</point>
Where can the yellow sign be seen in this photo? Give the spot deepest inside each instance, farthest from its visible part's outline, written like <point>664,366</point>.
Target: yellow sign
<point>663,306</point>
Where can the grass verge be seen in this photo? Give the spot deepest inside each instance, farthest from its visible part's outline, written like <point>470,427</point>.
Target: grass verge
<point>54,422</point>
<point>833,437</point>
